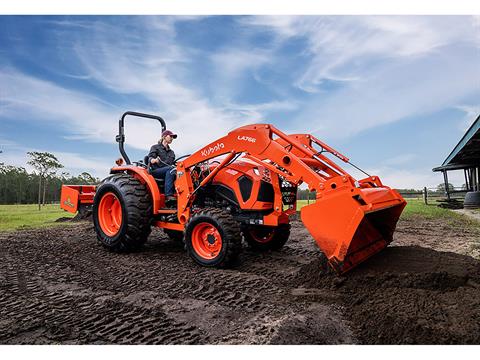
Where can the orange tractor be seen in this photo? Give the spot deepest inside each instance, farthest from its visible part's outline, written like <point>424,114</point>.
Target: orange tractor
<point>243,185</point>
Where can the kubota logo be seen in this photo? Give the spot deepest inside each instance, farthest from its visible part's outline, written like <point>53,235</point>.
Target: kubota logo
<point>212,149</point>
<point>68,202</point>
<point>246,138</point>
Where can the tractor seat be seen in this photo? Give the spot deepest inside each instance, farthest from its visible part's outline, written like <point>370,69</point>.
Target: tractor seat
<point>160,181</point>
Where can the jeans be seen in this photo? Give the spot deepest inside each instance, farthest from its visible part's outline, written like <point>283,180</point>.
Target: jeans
<point>169,174</point>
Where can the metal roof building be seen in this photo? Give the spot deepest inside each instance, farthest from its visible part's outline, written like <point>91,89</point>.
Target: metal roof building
<point>465,156</point>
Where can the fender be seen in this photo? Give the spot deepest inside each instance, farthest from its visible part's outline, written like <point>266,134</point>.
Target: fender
<point>143,175</point>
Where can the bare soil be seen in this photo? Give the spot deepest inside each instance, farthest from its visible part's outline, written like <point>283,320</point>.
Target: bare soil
<point>59,286</point>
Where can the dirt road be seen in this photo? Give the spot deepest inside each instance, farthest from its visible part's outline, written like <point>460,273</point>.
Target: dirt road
<point>59,286</point>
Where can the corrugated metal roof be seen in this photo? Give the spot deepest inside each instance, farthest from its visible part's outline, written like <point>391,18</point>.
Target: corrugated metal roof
<point>467,152</point>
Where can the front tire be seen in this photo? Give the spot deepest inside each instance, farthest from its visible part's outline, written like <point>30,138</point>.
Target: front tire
<point>122,212</point>
<point>213,238</point>
<point>264,238</point>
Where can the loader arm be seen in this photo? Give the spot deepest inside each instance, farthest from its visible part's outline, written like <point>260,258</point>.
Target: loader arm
<point>350,220</point>
<point>256,141</point>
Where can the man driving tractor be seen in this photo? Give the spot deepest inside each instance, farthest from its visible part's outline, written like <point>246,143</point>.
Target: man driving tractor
<point>161,158</point>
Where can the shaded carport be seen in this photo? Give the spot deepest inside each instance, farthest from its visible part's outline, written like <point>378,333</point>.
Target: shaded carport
<point>465,156</point>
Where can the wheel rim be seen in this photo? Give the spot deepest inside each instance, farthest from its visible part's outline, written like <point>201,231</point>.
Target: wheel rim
<point>206,240</point>
<point>262,235</point>
<point>110,214</point>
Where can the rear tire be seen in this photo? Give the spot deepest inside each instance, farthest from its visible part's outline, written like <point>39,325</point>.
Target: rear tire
<point>264,238</point>
<point>213,238</point>
<point>122,213</point>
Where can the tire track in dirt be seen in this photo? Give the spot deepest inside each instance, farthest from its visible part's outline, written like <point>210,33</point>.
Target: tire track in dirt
<point>64,300</point>
<point>71,315</point>
<point>60,286</point>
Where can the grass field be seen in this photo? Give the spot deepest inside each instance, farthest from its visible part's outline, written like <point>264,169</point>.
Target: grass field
<point>14,217</point>
<point>302,203</point>
<point>417,208</point>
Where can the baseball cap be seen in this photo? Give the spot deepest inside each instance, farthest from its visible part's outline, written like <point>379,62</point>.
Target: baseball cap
<point>168,132</point>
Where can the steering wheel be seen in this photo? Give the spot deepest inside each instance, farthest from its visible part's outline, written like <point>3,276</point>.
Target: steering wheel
<point>181,157</point>
<point>140,164</point>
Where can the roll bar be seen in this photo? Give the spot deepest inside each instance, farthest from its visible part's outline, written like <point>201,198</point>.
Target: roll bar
<point>120,138</point>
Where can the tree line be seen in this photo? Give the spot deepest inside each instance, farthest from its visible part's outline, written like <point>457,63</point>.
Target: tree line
<point>42,185</point>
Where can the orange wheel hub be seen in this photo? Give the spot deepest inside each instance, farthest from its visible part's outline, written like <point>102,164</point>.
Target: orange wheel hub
<point>206,240</point>
<point>262,236</point>
<point>110,214</point>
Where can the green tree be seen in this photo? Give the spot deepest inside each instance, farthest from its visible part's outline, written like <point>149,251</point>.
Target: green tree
<point>17,186</point>
<point>441,188</point>
<point>86,178</point>
<point>14,184</point>
<point>46,165</point>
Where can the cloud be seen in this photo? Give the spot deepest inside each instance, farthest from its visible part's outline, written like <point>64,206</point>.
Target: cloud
<point>403,172</point>
<point>145,64</point>
<point>338,76</point>
<point>346,48</point>
<point>415,179</point>
<point>255,113</point>
<point>234,65</point>
<point>84,117</point>
<point>471,114</point>
<point>6,142</point>
<point>25,99</point>
<point>74,163</point>
<point>397,92</point>
<point>155,71</point>
<point>391,68</point>
<point>400,159</point>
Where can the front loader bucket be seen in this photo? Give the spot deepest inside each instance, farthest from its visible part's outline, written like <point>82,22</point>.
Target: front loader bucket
<point>350,227</point>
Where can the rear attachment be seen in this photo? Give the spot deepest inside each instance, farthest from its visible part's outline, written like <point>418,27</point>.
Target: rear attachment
<point>77,198</point>
<point>350,226</point>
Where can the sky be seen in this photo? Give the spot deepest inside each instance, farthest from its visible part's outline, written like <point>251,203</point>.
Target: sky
<point>393,93</point>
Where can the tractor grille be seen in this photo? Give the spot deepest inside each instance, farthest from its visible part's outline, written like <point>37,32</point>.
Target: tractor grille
<point>289,192</point>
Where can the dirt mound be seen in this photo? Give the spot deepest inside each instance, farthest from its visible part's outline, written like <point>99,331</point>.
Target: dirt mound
<point>60,285</point>
<point>86,216</point>
<point>81,216</point>
<point>63,219</point>
<point>319,324</point>
<point>408,295</point>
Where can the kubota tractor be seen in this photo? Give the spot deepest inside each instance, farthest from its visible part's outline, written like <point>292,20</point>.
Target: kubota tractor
<point>243,185</point>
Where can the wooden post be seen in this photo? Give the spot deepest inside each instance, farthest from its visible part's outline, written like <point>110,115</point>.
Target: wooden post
<point>469,177</point>
<point>425,195</point>
<point>478,179</point>
<point>466,179</point>
<point>447,190</point>
<point>474,179</point>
